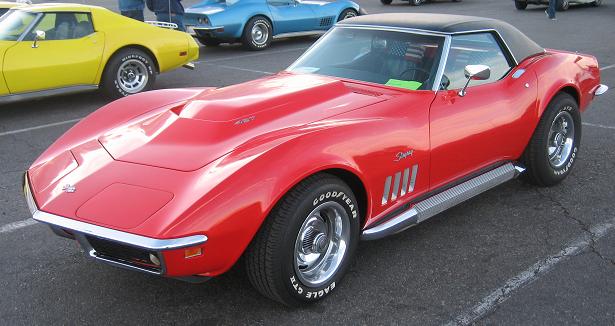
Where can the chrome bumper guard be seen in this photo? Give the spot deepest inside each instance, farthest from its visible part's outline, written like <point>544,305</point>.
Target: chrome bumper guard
<point>601,89</point>
<point>92,237</point>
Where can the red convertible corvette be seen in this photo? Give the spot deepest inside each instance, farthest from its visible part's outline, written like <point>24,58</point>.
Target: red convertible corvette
<point>386,121</point>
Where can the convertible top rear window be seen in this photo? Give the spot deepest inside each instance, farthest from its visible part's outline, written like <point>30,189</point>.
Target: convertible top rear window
<point>392,58</point>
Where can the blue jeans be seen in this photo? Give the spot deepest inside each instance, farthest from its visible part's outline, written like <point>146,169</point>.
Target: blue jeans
<point>551,9</point>
<point>134,14</point>
<point>175,18</point>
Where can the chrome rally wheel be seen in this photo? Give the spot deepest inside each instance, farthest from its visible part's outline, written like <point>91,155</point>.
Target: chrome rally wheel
<point>321,244</point>
<point>348,13</point>
<point>257,33</point>
<point>306,243</point>
<point>260,33</point>
<point>560,139</point>
<point>132,76</point>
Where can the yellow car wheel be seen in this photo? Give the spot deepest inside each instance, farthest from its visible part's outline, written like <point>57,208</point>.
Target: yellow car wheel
<point>130,71</point>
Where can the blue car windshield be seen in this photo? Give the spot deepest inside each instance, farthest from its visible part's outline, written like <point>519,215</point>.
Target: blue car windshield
<point>392,58</point>
<point>14,23</point>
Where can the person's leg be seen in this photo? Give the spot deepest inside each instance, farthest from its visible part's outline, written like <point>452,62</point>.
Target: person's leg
<point>163,17</point>
<point>134,14</point>
<point>179,20</point>
<point>551,9</point>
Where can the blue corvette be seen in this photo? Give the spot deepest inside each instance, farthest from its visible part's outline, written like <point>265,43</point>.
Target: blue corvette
<point>256,22</point>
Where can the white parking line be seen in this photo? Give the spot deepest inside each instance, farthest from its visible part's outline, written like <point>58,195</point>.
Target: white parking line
<point>16,225</point>
<point>598,125</point>
<point>251,55</point>
<point>534,272</point>
<point>38,127</point>
<point>608,67</point>
<point>240,69</point>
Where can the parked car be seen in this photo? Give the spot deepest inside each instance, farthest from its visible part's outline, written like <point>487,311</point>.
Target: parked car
<point>561,5</point>
<point>256,22</point>
<point>48,49</point>
<point>412,2</point>
<point>385,122</point>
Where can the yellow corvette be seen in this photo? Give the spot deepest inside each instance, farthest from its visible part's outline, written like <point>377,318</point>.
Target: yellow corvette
<point>48,49</point>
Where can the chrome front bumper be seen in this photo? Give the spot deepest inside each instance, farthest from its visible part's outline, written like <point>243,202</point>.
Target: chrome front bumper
<point>87,234</point>
<point>194,30</point>
<point>601,89</point>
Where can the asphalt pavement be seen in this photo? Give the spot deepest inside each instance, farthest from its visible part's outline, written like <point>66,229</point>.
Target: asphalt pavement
<point>516,255</point>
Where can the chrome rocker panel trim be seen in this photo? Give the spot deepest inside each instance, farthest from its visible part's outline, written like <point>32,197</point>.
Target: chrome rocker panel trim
<point>80,229</point>
<point>46,93</point>
<point>443,201</point>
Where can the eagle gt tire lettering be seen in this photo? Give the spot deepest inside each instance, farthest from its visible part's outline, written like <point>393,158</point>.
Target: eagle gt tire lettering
<point>307,242</point>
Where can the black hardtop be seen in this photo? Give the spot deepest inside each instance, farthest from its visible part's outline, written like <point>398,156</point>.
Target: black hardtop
<point>518,43</point>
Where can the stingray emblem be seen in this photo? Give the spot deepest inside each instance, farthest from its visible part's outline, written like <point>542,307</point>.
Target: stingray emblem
<point>69,188</point>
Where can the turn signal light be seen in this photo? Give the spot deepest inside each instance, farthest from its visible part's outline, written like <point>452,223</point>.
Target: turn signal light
<point>193,252</point>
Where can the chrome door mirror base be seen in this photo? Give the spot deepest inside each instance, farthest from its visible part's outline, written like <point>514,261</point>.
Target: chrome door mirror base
<point>39,36</point>
<point>475,72</point>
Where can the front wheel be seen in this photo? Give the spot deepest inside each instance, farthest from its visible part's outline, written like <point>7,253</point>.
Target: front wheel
<point>554,147</point>
<point>521,5</point>
<point>130,71</point>
<point>257,34</point>
<point>307,242</point>
<point>347,13</point>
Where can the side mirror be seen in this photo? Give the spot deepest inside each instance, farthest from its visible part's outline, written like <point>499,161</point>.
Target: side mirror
<point>475,72</point>
<point>39,36</point>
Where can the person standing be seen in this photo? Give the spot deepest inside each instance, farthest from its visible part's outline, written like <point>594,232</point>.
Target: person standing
<point>551,10</point>
<point>132,9</point>
<point>170,11</point>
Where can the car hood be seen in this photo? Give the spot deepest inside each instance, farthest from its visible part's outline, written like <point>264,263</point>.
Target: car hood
<point>215,122</point>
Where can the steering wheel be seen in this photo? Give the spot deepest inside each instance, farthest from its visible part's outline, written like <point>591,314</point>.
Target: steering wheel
<point>423,71</point>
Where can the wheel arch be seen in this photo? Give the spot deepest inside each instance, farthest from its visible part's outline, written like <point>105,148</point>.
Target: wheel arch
<point>130,46</point>
<point>258,14</point>
<point>568,88</point>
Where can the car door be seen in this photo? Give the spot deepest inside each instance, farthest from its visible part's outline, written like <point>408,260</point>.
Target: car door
<point>291,16</point>
<point>70,54</point>
<point>491,123</point>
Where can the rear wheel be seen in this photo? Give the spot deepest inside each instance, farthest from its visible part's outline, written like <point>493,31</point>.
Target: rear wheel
<point>347,13</point>
<point>521,5</point>
<point>562,5</point>
<point>597,3</point>
<point>554,147</point>
<point>416,2</point>
<point>128,72</point>
<point>257,34</point>
<point>386,2</point>
<point>307,242</point>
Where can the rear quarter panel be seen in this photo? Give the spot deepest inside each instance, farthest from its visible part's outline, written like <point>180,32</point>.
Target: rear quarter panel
<point>164,44</point>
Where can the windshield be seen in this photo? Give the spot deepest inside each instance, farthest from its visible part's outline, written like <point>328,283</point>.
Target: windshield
<point>231,2</point>
<point>399,59</point>
<point>14,23</point>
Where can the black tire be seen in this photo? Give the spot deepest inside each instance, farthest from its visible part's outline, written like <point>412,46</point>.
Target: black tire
<point>540,171</point>
<point>270,258</point>
<point>142,62</point>
<point>597,3</point>
<point>416,2</point>
<point>209,41</point>
<point>562,5</point>
<point>386,2</point>
<point>456,0</point>
<point>247,38</point>
<point>521,5</point>
<point>347,13</point>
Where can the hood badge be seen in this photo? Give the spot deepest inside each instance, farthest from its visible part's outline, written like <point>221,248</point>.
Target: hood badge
<point>402,155</point>
<point>69,188</point>
<point>244,120</point>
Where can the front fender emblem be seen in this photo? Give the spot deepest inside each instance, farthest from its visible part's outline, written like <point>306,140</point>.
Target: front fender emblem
<point>69,188</point>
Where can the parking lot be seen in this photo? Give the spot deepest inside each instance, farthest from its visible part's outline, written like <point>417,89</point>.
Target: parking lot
<point>515,255</point>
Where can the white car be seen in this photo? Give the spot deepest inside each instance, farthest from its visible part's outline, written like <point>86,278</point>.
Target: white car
<point>560,6</point>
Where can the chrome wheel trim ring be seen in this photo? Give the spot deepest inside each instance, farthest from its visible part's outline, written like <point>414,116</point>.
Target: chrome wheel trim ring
<point>132,76</point>
<point>565,4</point>
<point>322,243</point>
<point>349,14</point>
<point>560,141</point>
<point>260,33</point>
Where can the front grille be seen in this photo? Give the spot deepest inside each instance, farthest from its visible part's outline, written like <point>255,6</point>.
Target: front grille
<point>122,253</point>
